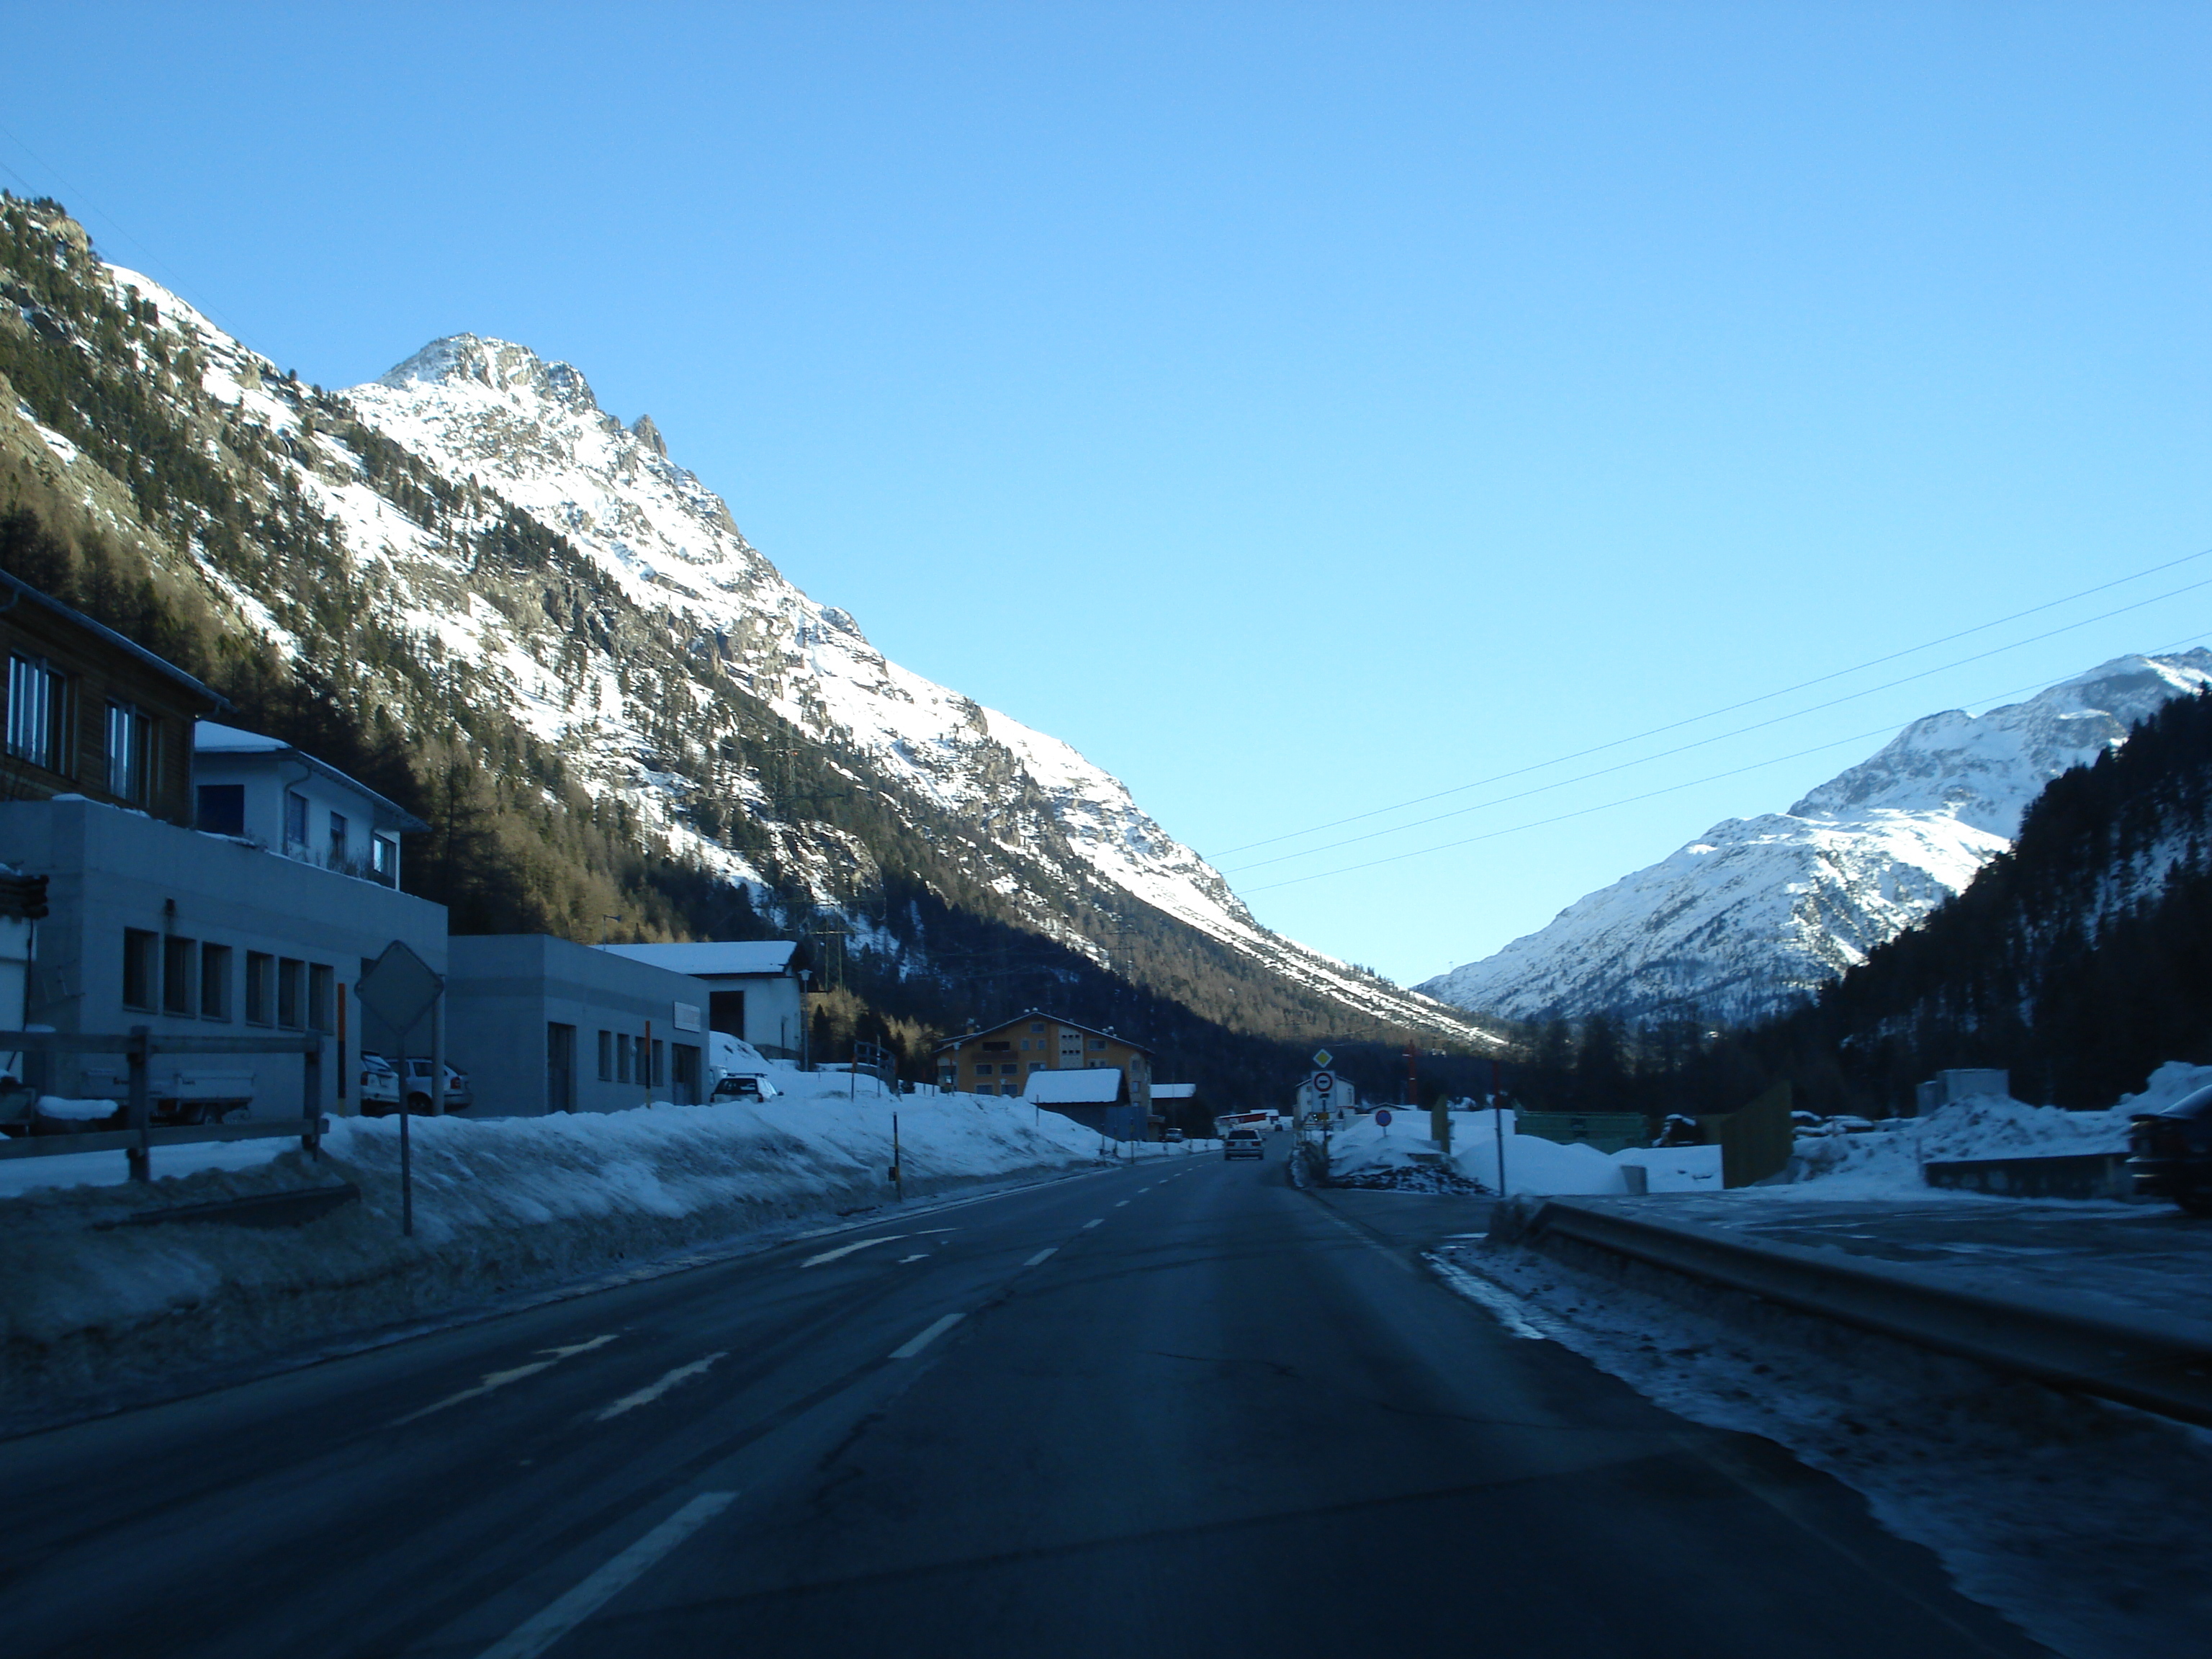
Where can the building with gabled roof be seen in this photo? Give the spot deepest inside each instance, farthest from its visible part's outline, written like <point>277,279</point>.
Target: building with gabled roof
<point>1006,1058</point>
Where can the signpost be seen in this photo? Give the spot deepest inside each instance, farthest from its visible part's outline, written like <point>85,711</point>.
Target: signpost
<point>1383,1119</point>
<point>399,987</point>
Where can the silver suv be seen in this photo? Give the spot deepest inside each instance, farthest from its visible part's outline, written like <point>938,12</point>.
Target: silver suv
<point>1242,1143</point>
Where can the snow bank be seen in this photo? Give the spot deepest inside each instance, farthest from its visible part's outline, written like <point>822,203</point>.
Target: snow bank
<point>1532,1165</point>
<point>93,1308</point>
<point>1886,1163</point>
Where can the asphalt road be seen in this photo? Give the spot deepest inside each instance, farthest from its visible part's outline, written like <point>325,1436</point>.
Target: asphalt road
<point>1184,1409</point>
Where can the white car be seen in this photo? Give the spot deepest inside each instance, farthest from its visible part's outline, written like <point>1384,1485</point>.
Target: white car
<point>1242,1143</point>
<point>380,1086</point>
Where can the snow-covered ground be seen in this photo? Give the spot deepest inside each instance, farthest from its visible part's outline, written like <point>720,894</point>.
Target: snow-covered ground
<point>91,1307</point>
<point>1364,1149</point>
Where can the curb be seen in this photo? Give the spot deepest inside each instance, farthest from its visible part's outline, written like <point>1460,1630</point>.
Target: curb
<point>2168,1373</point>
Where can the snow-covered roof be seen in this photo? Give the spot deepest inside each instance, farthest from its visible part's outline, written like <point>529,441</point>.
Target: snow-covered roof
<point>728,958</point>
<point>210,738</point>
<point>1039,1014</point>
<point>1099,1087</point>
<point>1175,1092</point>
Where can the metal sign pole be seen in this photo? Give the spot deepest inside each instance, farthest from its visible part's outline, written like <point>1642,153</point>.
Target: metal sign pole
<point>1497,1124</point>
<point>406,1149</point>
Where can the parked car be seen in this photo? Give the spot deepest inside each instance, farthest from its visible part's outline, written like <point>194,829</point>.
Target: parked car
<point>2170,1152</point>
<point>742,1085</point>
<point>457,1097</point>
<point>380,1086</point>
<point>1242,1143</point>
<point>1172,1135</point>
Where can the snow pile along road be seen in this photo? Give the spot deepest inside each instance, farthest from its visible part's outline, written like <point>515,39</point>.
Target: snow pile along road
<point>1364,1154</point>
<point>1886,1163</point>
<point>97,1307</point>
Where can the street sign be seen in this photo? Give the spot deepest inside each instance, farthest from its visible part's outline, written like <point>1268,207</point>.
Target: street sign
<point>399,987</point>
<point>1322,1083</point>
<point>1383,1119</point>
<point>1321,1058</point>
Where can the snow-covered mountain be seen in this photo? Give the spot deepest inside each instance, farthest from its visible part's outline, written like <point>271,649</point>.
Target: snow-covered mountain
<point>533,556</point>
<point>1757,912</point>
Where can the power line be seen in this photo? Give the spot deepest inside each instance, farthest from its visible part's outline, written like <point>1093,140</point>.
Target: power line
<point>1723,737</point>
<point>1713,713</point>
<point>1629,801</point>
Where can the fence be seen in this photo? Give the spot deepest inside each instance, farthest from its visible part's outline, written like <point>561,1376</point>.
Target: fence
<point>139,1135</point>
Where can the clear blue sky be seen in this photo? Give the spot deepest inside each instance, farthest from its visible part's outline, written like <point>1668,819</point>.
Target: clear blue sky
<point>1297,408</point>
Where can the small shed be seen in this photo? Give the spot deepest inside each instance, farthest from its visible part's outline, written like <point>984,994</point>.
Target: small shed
<point>1098,1098</point>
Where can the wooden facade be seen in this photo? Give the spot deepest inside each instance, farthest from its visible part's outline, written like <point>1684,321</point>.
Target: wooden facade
<point>85,712</point>
<point>999,1061</point>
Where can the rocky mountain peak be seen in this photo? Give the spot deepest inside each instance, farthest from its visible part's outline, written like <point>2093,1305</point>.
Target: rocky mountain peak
<point>500,364</point>
<point>649,435</point>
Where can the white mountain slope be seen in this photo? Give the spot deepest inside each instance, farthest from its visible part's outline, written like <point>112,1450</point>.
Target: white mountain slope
<point>515,431</point>
<point>1759,911</point>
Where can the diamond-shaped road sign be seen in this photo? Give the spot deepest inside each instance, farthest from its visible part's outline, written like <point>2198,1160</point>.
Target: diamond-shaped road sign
<point>399,987</point>
<point>1321,1058</point>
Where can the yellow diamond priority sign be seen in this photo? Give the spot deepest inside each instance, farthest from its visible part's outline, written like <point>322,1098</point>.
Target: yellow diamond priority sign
<point>1321,1058</point>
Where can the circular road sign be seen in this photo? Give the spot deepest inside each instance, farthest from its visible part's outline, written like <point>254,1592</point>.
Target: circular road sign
<point>1383,1118</point>
<point>1324,1083</point>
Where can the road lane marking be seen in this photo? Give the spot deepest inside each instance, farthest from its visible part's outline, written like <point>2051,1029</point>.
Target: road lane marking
<point>847,1249</point>
<point>923,1256</point>
<point>1501,1304</point>
<point>1121,1203</point>
<point>1040,1255</point>
<point>653,1391</point>
<point>533,1635</point>
<point>907,1350</point>
<point>1088,1225</point>
<point>500,1379</point>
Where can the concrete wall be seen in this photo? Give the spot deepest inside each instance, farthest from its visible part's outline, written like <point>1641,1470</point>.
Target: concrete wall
<point>109,870</point>
<point>505,990</point>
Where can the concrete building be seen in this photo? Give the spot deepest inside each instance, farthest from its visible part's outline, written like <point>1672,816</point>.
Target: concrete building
<point>1002,1060</point>
<point>756,988</point>
<point>151,924</point>
<point>275,796</point>
<point>542,1025</point>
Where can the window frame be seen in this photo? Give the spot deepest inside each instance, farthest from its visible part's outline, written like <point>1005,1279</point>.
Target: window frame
<point>181,991</point>
<point>141,970</point>
<point>260,988</point>
<point>215,981</point>
<point>49,717</point>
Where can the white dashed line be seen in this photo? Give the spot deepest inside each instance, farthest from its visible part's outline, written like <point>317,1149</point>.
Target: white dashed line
<point>923,1256</point>
<point>501,1379</point>
<point>1041,1255</point>
<point>907,1350</point>
<point>533,1635</point>
<point>847,1249</point>
<point>653,1391</point>
<point>1121,1203</point>
<point>1088,1225</point>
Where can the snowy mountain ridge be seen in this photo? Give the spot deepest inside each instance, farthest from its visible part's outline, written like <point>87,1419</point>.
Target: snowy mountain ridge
<point>1759,912</point>
<point>561,568</point>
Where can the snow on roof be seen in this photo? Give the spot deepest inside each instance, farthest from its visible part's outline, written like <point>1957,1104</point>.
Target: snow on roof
<point>1175,1092</point>
<point>1099,1087</point>
<point>209,738</point>
<point>714,958</point>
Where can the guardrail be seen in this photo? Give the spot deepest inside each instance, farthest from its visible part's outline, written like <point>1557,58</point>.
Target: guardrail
<point>2167,1372</point>
<point>139,1136</point>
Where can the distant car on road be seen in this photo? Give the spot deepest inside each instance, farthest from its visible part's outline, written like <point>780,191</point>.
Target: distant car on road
<point>1242,1143</point>
<point>2170,1152</point>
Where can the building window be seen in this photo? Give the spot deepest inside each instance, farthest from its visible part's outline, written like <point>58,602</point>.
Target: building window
<point>291,992</point>
<point>726,1012</point>
<point>295,819</point>
<point>222,808</point>
<point>622,1057</point>
<point>215,982</point>
<point>141,962</point>
<point>130,754</point>
<point>685,1057</point>
<point>35,698</point>
<point>260,988</point>
<point>180,960</point>
<point>337,840</point>
<point>384,859</point>
<point>322,985</point>
<point>606,1056</point>
<point>1039,1026</point>
<point>1098,1045</point>
<point>659,1060</point>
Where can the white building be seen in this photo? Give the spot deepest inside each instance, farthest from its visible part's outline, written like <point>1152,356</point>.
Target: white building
<point>266,791</point>
<point>755,987</point>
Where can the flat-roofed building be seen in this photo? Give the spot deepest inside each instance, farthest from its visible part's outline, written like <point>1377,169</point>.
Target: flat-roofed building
<point>756,988</point>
